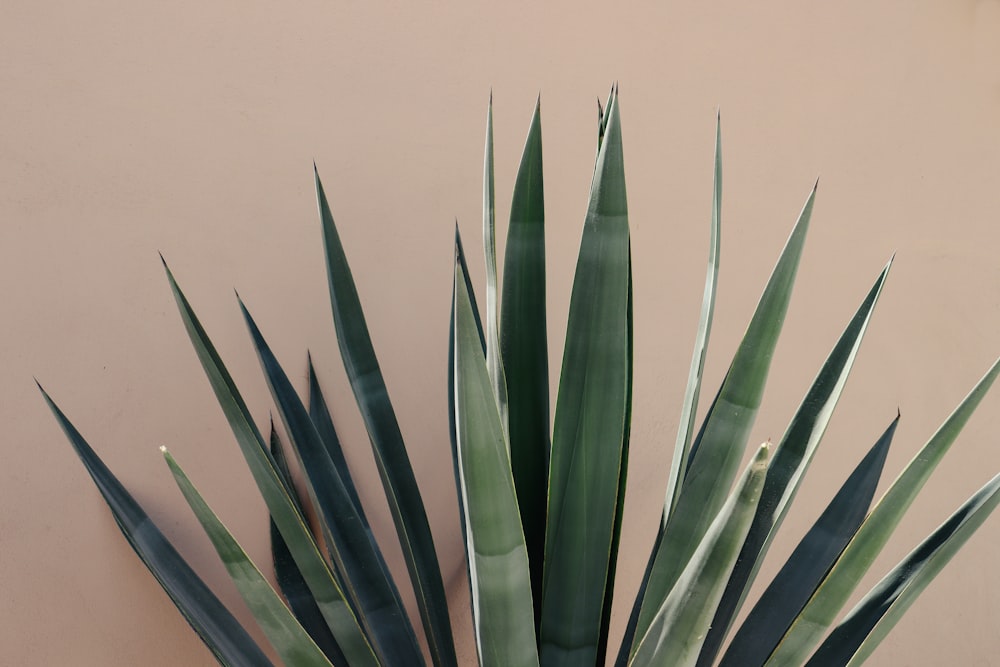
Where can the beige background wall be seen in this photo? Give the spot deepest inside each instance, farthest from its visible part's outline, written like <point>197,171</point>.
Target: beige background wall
<point>190,127</point>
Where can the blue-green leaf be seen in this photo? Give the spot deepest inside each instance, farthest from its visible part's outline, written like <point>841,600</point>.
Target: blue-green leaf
<point>493,358</point>
<point>679,626</point>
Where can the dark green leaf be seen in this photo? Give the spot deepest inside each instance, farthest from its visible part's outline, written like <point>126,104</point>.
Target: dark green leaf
<point>860,633</point>
<point>824,605</point>
<point>320,414</point>
<point>393,463</point>
<point>366,577</point>
<point>616,535</point>
<point>314,568</point>
<point>293,586</point>
<point>524,349</point>
<point>791,459</point>
<point>220,631</point>
<point>810,561</point>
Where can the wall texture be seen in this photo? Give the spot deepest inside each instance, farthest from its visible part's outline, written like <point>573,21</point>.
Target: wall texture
<point>190,128</point>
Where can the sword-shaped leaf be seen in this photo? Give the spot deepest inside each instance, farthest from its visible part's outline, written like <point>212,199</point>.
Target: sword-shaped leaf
<point>365,576</point>
<point>525,352</point>
<point>590,421</point>
<point>493,359</point>
<point>716,454</point>
<point>616,534</point>
<point>812,558</point>
<point>860,633</point>
<point>220,631</point>
<point>288,638</point>
<point>791,459</point>
<point>678,628</point>
<point>314,568</point>
<point>452,424</point>
<point>497,556</point>
<point>393,463</point>
<point>682,448</point>
<point>319,412</point>
<point>824,605</point>
<point>293,587</point>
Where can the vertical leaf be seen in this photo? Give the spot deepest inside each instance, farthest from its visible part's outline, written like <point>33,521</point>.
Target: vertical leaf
<point>682,447</point>
<point>524,348</point>
<point>590,421</point>
<point>452,420</point>
<point>493,358</point>
<point>498,558</point>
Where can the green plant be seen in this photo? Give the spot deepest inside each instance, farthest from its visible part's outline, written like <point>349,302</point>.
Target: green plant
<point>541,517</point>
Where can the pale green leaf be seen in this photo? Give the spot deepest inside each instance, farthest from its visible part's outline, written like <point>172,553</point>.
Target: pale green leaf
<point>498,558</point>
<point>287,637</point>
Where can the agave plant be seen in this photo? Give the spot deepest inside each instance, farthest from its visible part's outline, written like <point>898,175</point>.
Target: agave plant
<point>541,502</point>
